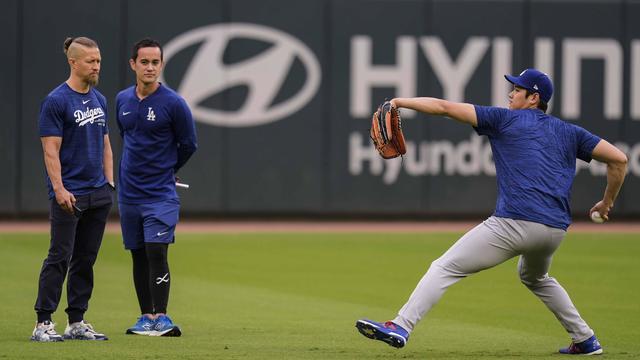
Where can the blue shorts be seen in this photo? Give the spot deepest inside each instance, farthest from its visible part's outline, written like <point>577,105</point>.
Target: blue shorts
<point>149,223</point>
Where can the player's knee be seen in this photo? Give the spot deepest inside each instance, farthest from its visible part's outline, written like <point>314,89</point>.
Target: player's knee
<point>459,266</point>
<point>444,266</point>
<point>139,254</point>
<point>532,281</point>
<point>526,281</point>
<point>84,258</point>
<point>59,256</point>
<point>156,254</point>
<point>436,264</point>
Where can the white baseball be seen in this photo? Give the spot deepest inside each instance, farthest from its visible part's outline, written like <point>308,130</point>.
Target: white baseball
<point>596,218</point>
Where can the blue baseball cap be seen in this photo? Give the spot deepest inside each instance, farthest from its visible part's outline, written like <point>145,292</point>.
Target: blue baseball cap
<point>535,81</point>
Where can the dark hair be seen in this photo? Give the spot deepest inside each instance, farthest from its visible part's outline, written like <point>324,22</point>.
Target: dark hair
<point>541,105</point>
<point>84,41</point>
<point>146,42</point>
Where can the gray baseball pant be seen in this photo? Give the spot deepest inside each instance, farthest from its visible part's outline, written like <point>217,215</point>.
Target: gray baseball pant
<point>487,245</point>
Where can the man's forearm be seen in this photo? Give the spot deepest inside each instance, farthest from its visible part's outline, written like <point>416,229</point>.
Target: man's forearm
<point>426,105</point>
<point>108,165</point>
<point>462,112</point>
<point>184,153</point>
<point>54,169</point>
<point>615,177</point>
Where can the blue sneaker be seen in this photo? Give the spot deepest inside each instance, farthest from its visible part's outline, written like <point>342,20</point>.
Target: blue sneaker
<point>591,346</point>
<point>165,327</point>
<point>144,326</point>
<point>388,332</point>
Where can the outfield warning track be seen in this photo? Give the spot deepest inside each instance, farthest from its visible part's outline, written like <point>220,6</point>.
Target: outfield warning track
<point>280,226</point>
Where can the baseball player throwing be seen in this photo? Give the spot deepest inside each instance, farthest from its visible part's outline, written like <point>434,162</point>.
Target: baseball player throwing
<point>535,156</point>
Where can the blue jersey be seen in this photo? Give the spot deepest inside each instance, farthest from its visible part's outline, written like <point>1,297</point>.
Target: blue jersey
<point>535,156</point>
<point>81,121</point>
<point>159,137</point>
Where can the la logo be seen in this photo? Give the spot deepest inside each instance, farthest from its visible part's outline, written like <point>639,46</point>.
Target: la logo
<point>151,116</point>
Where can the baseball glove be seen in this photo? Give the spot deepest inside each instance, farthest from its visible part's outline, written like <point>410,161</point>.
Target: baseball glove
<point>386,131</point>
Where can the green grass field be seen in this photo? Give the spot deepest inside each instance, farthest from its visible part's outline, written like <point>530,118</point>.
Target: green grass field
<point>297,296</point>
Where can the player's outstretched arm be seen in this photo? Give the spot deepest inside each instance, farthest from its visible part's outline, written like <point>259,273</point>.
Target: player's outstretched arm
<point>462,112</point>
<point>616,162</point>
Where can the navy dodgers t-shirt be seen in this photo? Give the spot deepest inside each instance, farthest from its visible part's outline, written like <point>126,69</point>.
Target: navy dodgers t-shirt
<point>81,121</point>
<point>535,156</point>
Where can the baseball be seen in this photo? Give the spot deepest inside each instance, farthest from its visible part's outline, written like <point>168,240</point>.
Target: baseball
<point>596,218</point>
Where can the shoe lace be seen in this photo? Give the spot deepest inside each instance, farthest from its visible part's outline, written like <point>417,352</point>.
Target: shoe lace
<point>49,329</point>
<point>145,322</point>
<point>390,325</point>
<point>85,327</point>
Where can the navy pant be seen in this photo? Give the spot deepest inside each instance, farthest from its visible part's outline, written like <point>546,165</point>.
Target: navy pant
<point>75,241</point>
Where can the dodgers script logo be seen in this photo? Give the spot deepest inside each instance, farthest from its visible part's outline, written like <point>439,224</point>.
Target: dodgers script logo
<point>264,74</point>
<point>95,115</point>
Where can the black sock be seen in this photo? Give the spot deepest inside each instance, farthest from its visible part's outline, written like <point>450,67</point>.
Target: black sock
<point>141,280</point>
<point>75,317</point>
<point>43,316</point>
<point>158,275</point>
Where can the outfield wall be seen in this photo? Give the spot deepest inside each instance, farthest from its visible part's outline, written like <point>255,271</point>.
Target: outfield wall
<point>282,92</point>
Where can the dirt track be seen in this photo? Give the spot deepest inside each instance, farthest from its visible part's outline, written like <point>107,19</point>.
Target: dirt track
<point>322,226</point>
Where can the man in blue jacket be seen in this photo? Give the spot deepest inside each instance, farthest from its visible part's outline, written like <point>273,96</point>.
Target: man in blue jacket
<point>159,137</point>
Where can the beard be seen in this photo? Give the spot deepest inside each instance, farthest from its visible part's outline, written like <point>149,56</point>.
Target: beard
<point>92,80</point>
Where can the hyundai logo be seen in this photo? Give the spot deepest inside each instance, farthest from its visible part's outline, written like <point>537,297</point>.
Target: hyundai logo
<point>263,74</point>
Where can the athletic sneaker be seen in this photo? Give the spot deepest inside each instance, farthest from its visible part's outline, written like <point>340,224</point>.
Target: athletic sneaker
<point>591,346</point>
<point>45,332</point>
<point>165,327</point>
<point>82,331</point>
<point>144,326</point>
<point>388,332</point>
